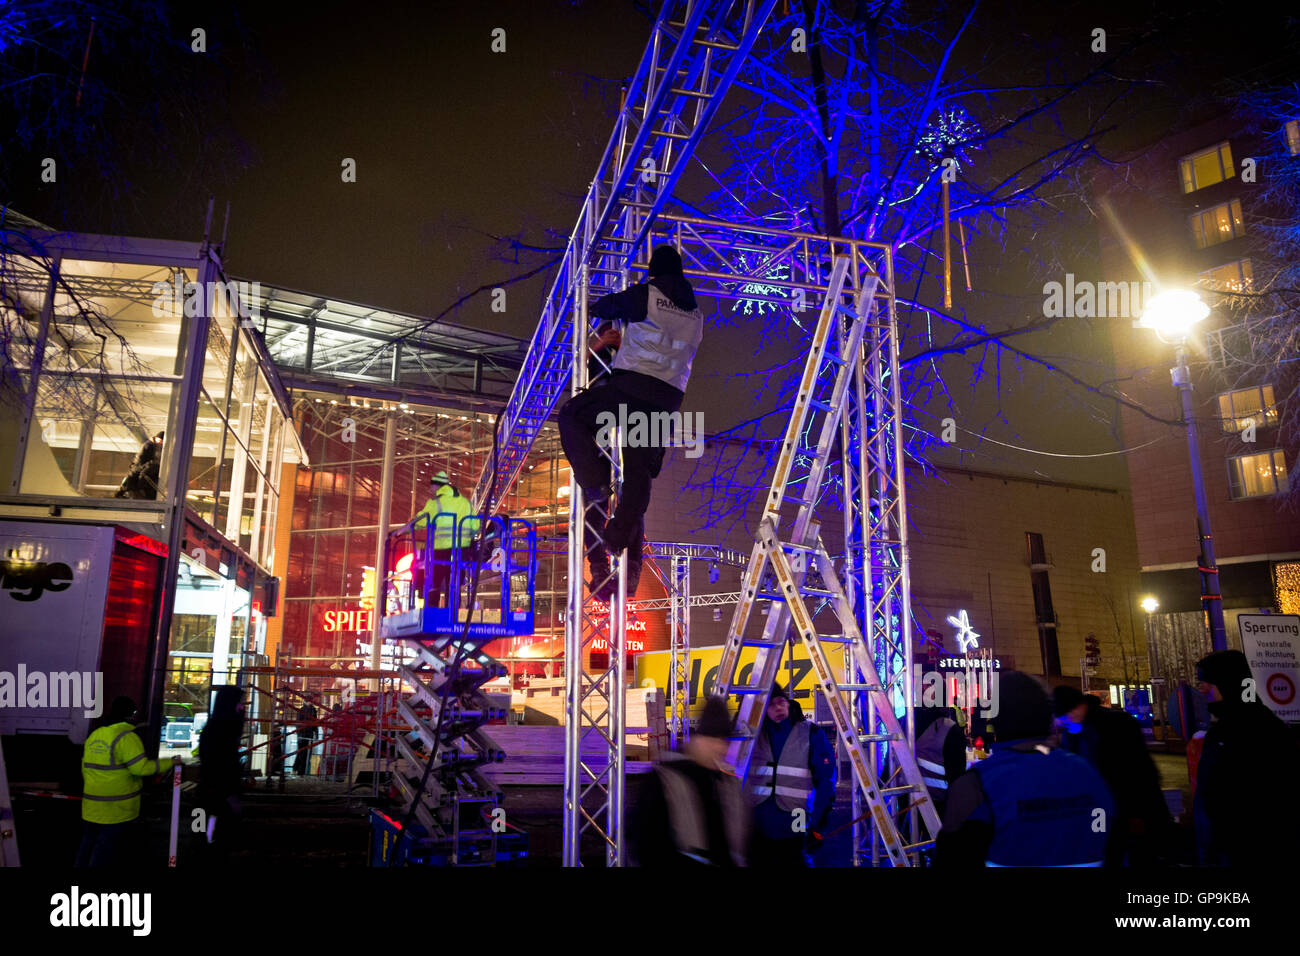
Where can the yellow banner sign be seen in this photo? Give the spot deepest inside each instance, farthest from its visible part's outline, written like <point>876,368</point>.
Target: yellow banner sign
<point>796,673</point>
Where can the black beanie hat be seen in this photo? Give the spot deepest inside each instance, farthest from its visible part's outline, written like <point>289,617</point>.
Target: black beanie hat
<point>665,261</point>
<point>715,721</point>
<point>1024,709</point>
<point>1065,698</point>
<point>1226,670</point>
<point>778,691</point>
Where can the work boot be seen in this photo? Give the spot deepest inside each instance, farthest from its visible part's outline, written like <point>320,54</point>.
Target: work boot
<point>633,574</point>
<point>618,536</point>
<point>601,583</point>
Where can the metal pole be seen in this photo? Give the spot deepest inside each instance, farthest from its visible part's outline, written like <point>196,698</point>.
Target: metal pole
<point>176,811</point>
<point>1211,600</point>
<point>186,425</point>
<point>381,545</point>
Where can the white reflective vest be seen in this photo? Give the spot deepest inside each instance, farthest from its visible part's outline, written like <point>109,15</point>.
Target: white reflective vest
<point>929,754</point>
<point>664,344</point>
<point>788,779</point>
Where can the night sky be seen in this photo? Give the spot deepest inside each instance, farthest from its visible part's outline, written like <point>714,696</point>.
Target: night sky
<point>455,143</point>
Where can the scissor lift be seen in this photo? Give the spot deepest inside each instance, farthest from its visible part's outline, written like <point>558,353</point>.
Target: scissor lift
<point>445,604</point>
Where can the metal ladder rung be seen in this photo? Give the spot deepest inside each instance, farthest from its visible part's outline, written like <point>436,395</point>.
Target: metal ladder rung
<point>876,738</point>
<point>858,687</point>
<point>667,135</point>
<point>892,791</point>
<point>768,644</point>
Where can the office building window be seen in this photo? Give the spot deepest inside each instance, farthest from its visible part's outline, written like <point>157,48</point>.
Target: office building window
<point>1217,224</point>
<point>1238,409</point>
<point>1230,277</point>
<point>1257,476</point>
<point>1293,137</point>
<point>1207,167</point>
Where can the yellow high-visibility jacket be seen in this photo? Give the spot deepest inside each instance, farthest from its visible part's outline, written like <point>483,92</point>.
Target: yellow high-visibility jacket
<point>448,501</point>
<point>112,765</point>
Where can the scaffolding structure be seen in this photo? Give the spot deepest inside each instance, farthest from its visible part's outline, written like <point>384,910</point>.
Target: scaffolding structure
<point>695,51</point>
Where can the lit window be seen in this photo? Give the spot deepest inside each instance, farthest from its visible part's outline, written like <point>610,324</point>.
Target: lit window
<point>1207,167</point>
<point>1257,476</point>
<point>1239,409</point>
<point>1229,277</point>
<point>1286,579</point>
<point>1293,137</point>
<point>1218,224</point>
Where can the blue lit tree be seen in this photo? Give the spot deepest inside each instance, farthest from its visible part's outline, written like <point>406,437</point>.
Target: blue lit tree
<point>851,137</point>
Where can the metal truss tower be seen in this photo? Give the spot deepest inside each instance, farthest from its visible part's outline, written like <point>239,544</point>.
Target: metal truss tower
<point>695,51</point>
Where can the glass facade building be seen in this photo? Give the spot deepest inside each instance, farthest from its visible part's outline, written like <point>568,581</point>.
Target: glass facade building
<point>137,392</point>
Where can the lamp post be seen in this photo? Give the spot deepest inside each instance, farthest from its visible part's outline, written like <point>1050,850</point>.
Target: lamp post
<point>1171,316</point>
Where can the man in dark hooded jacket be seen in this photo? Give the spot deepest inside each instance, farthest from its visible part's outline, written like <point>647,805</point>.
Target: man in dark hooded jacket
<point>1112,741</point>
<point>220,773</point>
<point>1028,804</point>
<point>1248,774</point>
<point>661,329</point>
<point>691,811</point>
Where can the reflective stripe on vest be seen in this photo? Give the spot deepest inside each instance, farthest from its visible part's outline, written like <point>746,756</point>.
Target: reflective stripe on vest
<point>929,753</point>
<point>932,773</point>
<point>1058,866</point>
<point>664,344</point>
<point>790,782</point>
<point>686,814</point>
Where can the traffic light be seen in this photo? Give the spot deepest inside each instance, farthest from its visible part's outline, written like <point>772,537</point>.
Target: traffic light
<point>1092,650</point>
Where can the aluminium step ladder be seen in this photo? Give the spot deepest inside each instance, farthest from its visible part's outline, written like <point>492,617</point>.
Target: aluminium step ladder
<point>794,571</point>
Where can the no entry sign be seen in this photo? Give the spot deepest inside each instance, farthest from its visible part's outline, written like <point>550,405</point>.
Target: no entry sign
<point>1271,643</point>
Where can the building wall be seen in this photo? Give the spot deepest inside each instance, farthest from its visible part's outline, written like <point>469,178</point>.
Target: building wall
<point>968,551</point>
<point>1152,224</point>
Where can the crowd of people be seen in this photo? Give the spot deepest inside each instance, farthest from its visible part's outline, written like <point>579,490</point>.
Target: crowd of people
<point>1067,782</point>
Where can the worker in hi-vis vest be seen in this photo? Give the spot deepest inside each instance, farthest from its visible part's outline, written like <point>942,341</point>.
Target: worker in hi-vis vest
<point>113,768</point>
<point>661,327</point>
<point>791,785</point>
<point>446,500</point>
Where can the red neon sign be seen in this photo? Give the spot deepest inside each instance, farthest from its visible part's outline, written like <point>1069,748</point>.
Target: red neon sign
<point>361,621</point>
<point>630,644</point>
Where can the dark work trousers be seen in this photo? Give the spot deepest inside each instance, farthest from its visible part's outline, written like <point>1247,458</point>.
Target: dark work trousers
<point>110,844</point>
<point>440,576</point>
<point>579,427</point>
<point>302,759</point>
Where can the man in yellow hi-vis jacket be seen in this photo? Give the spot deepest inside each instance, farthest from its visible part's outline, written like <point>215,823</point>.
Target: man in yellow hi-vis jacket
<point>446,500</point>
<point>113,768</point>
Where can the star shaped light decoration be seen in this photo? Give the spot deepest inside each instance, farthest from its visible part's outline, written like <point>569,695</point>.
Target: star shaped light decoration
<point>966,636</point>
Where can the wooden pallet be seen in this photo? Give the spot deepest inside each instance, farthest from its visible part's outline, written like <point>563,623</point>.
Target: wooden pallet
<point>535,755</point>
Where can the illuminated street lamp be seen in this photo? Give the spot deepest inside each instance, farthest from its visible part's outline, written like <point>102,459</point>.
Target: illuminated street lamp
<point>1149,604</point>
<point>1171,315</point>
